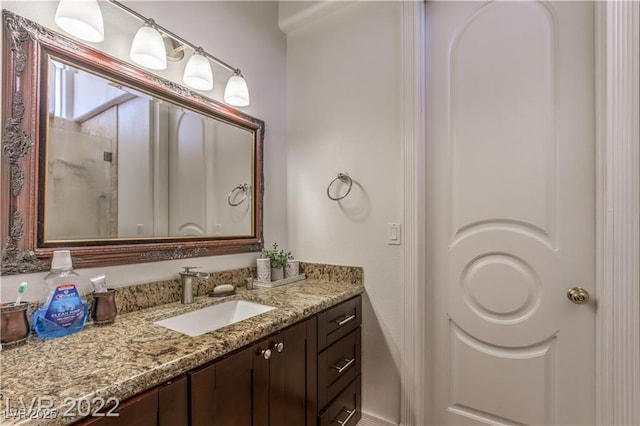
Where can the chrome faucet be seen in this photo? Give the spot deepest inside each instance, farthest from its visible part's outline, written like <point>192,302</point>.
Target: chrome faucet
<point>186,279</point>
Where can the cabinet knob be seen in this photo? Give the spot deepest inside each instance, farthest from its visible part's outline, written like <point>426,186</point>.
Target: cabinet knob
<point>278,347</point>
<point>266,353</point>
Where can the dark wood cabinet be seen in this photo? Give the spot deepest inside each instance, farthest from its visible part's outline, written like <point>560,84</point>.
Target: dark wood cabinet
<point>263,385</point>
<point>338,321</point>
<point>345,409</point>
<point>280,371</point>
<point>305,375</point>
<point>338,364</point>
<point>173,404</point>
<point>140,410</point>
<point>164,405</point>
<point>221,393</point>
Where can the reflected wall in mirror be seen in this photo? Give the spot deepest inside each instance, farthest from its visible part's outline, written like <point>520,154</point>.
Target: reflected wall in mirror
<point>117,164</point>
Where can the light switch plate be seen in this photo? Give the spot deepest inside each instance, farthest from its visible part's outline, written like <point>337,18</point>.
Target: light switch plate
<point>395,234</point>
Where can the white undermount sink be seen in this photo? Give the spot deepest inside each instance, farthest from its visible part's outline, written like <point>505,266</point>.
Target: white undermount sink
<point>214,317</point>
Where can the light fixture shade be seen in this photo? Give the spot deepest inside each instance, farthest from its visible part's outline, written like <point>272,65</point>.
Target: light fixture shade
<point>236,93</point>
<point>81,19</point>
<point>147,49</point>
<point>197,73</point>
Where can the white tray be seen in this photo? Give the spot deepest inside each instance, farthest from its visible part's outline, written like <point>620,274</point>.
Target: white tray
<point>278,283</point>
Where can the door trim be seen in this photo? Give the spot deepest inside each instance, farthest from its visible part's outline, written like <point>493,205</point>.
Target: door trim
<point>414,400</point>
<point>617,217</point>
<point>618,213</point>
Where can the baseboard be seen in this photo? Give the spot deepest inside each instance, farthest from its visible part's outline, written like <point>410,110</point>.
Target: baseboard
<point>369,420</point>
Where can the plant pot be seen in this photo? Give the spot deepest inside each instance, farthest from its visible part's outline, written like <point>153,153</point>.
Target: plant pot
<point>277,274</point>
<point>292,269</point>
<point>264,269</point>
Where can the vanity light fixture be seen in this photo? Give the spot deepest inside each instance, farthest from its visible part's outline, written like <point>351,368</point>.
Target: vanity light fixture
<point>81,19</point>
<point>148,47</point>
<point>236,93</point>
<point>197,73</point>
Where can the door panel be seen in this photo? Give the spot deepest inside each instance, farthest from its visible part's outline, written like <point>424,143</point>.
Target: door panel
<point>510,190</point>
<point>502,93</point>
<point>525,373</point>
<point>190,174</point>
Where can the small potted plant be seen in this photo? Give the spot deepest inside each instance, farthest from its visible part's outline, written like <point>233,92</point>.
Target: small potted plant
<point>278,259</point>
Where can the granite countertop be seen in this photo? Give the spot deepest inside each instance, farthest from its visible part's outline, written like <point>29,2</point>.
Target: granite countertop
<point>133,354</point>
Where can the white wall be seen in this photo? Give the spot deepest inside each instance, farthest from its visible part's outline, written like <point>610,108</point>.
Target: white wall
<point>232,148</point>
<point>244,34</point>
<point>344,114</point>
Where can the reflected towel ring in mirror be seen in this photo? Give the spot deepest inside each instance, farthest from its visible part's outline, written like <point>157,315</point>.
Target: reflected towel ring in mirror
<point>344,178</point>
<point>242,188</point>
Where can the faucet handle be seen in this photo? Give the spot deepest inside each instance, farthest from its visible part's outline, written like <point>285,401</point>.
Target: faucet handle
<point>187,269</point>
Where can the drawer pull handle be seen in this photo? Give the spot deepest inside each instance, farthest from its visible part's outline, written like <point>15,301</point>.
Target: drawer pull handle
<point>350,413</point>
<point>344,367</point>
<point>345,320</point>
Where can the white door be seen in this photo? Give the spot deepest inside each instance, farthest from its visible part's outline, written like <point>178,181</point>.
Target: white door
<point>190,174</point>
<point>510,210</point>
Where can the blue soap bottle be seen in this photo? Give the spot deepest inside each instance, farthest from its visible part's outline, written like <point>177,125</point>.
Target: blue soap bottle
<point>63,309</point>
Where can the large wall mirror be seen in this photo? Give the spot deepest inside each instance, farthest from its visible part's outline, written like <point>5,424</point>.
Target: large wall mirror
<point>116,164</point>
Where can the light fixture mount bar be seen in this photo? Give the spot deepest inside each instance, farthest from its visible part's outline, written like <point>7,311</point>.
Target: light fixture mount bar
<point>173,35</point>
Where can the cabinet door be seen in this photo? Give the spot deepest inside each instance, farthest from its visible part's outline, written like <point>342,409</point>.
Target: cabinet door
<point>264,379</point>
<point>280,378</point>
<point>165,405</point>
<point>140,410</point>
<point>173,405</point>
<point>221,393</point>
<point>312,371</point>
<point>290,409</point>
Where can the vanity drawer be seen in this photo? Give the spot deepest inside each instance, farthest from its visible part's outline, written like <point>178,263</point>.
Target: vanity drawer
<point>338,365</point>
<point>345,409</point>
<point>337,322</point>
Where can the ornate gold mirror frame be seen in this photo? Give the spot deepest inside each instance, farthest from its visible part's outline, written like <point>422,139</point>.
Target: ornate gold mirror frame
<point>26,47</point>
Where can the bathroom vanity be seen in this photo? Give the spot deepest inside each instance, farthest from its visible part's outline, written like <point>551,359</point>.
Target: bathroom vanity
<point>298,364</point>
<point>286,379</point>
<point>306,374</point>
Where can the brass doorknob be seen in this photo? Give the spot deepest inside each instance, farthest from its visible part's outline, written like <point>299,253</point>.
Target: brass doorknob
<point>578,295</point>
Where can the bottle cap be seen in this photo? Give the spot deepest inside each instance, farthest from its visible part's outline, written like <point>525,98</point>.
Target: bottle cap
<point>61,260</point>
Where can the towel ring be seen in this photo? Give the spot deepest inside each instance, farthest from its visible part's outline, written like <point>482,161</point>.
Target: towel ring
<point>344,178</point>
<point>243,187</point>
